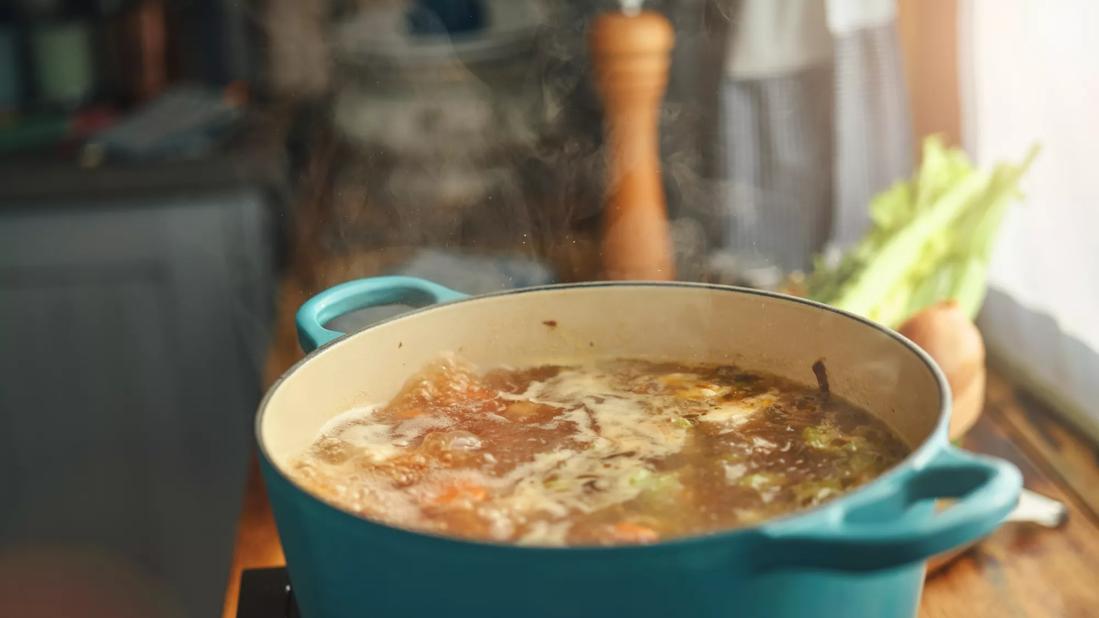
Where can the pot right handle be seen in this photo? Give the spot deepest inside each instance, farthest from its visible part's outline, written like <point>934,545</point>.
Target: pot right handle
<point>881,530</point>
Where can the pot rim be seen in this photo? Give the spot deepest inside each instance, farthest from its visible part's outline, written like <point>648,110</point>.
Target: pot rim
<point>919,456</point>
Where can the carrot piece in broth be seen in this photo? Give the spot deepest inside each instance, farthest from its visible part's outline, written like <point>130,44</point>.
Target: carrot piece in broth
<point>629,532</point>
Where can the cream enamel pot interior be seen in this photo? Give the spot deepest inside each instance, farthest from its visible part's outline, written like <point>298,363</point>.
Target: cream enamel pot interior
<point>859,555</point>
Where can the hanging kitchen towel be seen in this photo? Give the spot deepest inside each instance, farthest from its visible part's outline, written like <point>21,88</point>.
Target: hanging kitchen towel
<point>873,145</point>
<point>777,126</point>
<point>814,122</point>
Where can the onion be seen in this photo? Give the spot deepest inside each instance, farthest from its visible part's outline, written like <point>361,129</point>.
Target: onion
<point>945,332</point>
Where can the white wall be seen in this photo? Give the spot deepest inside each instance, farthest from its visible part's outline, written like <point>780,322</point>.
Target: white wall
<point>1030,73</point>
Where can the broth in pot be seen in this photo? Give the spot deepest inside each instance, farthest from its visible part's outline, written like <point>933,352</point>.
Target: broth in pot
<point>602,453</point>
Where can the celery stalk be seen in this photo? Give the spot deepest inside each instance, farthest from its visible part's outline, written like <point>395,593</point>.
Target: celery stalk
<point>931,240</point>
<point>901,253</point>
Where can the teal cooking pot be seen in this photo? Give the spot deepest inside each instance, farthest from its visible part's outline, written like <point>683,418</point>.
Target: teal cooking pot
<point>860,555</point>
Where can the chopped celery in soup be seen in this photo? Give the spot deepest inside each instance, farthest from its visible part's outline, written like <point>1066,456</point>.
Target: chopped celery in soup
<point>613,452</point>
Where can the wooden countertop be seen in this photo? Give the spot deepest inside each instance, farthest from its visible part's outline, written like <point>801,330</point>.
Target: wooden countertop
<point>1019,571</point>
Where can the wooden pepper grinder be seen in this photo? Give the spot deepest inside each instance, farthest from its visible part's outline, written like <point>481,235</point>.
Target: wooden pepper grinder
<point>631,58</point>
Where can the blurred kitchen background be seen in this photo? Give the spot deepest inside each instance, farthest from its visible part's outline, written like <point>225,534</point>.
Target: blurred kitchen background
<point>174,171</point>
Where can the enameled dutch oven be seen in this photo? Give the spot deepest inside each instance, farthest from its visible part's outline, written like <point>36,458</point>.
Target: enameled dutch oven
<point>861,555</point>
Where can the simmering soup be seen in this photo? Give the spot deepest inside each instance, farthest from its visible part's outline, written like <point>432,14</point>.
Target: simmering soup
<point>609,452</point>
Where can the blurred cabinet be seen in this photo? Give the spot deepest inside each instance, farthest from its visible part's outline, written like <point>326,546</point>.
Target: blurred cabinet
<point>132,335</point>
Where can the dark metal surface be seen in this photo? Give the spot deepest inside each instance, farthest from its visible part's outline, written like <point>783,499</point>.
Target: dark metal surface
<point>266,593</point>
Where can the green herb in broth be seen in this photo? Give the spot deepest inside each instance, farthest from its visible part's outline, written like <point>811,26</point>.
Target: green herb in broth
<point>622,451</point>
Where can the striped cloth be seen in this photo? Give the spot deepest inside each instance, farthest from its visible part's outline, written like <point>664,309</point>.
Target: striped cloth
<point>804,148</point>
<point>874,144</point>
<point>778,134</point>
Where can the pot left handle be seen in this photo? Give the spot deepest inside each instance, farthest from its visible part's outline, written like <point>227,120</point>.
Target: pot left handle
<point>351,296</point>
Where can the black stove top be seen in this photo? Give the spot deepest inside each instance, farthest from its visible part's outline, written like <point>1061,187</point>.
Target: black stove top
<point>266,593</point>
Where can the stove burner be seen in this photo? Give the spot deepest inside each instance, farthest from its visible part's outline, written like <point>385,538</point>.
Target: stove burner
<point>266,593</point>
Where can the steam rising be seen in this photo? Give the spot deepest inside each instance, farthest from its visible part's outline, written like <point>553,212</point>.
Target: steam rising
<point>528,177</point>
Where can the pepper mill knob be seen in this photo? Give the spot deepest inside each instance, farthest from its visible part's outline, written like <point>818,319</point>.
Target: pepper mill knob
<point>631,55</point>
